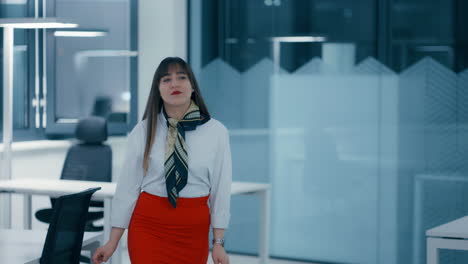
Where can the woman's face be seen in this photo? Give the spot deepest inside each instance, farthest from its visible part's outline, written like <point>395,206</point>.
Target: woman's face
<point>175,87</point>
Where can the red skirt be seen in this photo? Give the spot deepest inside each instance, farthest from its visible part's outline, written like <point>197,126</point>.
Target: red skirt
<point>161,234</point>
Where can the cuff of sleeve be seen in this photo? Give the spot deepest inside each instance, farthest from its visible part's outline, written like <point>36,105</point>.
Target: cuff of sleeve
<point>120,215</point>
<point>220,221</point>
<point>119,223</point>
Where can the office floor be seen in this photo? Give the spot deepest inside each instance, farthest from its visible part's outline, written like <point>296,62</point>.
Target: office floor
<point>234,259</point>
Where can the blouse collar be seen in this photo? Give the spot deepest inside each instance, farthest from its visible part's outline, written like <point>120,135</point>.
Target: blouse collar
<point>162,120</point>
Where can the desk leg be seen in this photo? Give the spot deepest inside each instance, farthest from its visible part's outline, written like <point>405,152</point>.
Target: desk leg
<point>264,227</point>
<point>107,219</point>
<point>5,210</point>
<point>116,257</point>
<point>432,252</point>
<point>27,220</point>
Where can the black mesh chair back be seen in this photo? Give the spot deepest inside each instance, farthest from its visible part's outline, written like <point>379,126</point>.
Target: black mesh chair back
<point>91,159</point>
<point>66,230</point>
<point>88,160</point>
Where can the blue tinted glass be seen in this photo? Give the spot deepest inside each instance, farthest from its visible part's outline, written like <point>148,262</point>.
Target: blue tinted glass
<point>355,113</point>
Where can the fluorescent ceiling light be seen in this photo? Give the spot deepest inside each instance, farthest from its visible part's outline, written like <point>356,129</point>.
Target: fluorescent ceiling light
<point>36,23</point>
<point>67,120</point>
<point>300,39</point>
<point>80,33</point>
<point>13,2</point>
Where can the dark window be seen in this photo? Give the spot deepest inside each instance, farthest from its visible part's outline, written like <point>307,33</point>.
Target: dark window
<point>23,68</point>
<point>433,28</point>
<point>59,79</point>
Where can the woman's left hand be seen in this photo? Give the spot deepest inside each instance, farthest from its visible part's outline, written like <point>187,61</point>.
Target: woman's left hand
<point>219,255</point>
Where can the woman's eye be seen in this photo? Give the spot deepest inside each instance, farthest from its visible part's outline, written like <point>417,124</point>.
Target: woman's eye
<point>182,77</point>
<point>166,80</point>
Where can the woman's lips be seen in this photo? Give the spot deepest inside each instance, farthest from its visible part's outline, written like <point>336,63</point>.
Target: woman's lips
<point>175,93</point>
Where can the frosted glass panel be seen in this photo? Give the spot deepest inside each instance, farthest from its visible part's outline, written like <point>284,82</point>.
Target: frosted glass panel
<point>324,166</point>
<point>346,154</point>
<point>362,133</point>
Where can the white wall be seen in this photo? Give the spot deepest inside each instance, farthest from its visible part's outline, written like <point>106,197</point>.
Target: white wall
<point>162,32</point>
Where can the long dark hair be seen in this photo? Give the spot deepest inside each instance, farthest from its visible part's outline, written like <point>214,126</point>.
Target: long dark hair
<point>155,102</point>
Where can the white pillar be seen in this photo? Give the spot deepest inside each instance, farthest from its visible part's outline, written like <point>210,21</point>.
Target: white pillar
<point>8,44</point>
<point>162,32</point>
<point>339,57</point>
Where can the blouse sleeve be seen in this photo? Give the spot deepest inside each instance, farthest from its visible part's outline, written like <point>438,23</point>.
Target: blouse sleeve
<point>220,194</point>
<point>129,182</point>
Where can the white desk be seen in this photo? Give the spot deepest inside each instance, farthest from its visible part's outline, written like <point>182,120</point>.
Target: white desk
<point>452,235</point>
<point>25,246</point>
<point>54,188</point>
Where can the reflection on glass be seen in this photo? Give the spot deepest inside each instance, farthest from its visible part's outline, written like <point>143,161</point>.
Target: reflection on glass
<point>361,147</point>
<point>21,72</point>
<point>94,72</point>
<point>442,37</point>
<point>20,84</point>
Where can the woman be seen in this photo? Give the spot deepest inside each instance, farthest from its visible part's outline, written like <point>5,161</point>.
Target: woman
<point>176,177</point>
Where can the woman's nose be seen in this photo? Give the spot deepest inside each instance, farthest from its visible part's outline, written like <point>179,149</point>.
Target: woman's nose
<point>174,83</point>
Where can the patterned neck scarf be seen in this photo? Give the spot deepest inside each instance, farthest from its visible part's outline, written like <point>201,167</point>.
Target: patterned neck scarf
<point>176,154</point>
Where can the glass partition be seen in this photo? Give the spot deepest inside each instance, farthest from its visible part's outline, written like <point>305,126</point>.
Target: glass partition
<point>94,74</point>
<point>355,113</point>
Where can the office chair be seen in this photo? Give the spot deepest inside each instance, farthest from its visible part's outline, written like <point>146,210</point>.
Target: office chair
<point>88,160</point>
<point>66,230</point>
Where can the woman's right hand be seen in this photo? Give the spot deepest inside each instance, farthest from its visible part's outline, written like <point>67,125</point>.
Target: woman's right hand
<point>103,253</point>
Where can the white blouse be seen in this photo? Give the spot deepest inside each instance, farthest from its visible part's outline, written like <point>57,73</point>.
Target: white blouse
<point>209,170</point>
